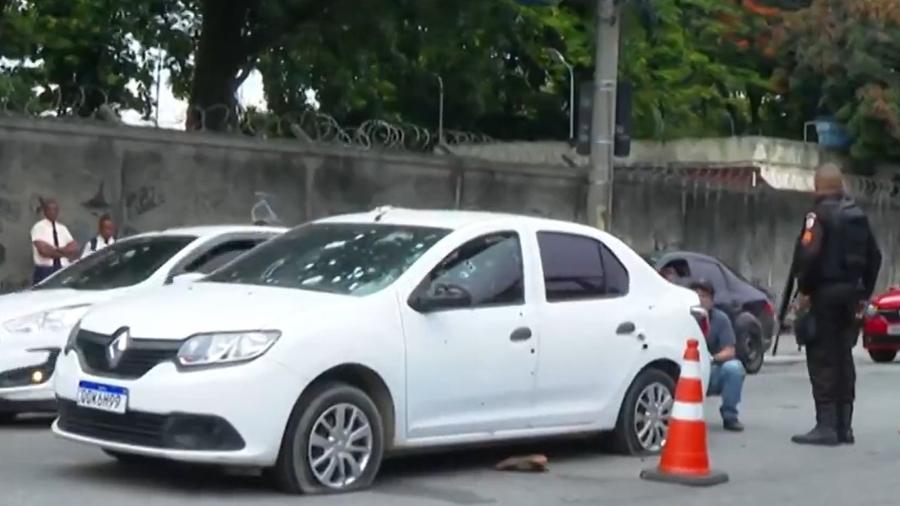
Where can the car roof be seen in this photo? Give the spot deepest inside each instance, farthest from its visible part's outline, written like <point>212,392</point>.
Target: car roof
<point>686,254</point>
<point>213,230</point>
<point>446,219</point>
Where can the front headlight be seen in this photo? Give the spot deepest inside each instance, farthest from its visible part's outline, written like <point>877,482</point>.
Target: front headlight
<point>871,310</point>
<point>226,347</point>
<point>53,320</point>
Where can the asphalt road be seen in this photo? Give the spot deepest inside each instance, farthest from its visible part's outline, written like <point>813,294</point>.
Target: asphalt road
<point>765,469</point>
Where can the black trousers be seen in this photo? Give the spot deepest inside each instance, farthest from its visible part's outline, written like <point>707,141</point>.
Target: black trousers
<point>829,355</point>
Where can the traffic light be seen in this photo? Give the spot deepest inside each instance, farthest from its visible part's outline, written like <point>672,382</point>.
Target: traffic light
<point>622,137</point>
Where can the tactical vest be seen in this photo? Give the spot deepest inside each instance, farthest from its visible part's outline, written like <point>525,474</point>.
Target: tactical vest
<point>845,251</point>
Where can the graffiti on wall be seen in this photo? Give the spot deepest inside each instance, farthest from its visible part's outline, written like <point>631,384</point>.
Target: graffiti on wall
<point>262,212</point>
<point>143,200</point>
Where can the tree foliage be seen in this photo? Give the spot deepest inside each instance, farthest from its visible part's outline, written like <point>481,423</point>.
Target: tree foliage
<point>841,58</point>
<point>699,67</point>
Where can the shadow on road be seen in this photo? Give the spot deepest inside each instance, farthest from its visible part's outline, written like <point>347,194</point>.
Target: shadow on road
<point>214,480</point>
<point>26,422</point>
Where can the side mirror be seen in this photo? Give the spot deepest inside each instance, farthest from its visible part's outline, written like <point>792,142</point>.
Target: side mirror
<point>441,297</point>
<point>187,278</point>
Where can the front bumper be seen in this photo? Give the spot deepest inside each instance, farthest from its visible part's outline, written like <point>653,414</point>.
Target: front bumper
<point>881,342</point>
<point>26,380</point>
<point>254,400</point>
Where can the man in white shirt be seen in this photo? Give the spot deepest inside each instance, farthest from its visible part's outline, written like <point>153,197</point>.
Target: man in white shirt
<point>106,236</point>
<point>53,246</point>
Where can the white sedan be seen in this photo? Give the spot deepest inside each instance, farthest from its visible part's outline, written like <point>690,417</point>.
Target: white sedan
<point>354,337</point>
<point>35,323</point>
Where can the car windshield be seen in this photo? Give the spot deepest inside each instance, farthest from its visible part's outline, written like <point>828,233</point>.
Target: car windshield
<point>342,258</point>
<point>125,263</point>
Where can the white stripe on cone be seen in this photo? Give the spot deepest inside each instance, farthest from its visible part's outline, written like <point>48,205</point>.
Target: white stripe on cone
<point>690,369</point>
<point>687,411</point>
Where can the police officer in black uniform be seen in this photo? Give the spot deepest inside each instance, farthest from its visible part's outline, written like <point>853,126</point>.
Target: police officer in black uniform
<point>836,264</point>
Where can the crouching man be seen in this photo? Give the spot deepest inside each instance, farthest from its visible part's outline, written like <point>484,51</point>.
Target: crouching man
<point>727,375</point>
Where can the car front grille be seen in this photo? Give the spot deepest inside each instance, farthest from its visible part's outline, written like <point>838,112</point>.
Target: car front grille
<point>141,429</point>
<point>891,315</point>
<point>178,431</point>
<point>140,356</point>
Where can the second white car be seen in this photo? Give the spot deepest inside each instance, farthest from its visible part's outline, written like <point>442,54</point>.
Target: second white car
<point>35,323</point>
<point>344,340</point>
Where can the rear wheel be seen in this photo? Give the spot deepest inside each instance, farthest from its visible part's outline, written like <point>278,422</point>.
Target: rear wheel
<point>644,416</point>
<point>749,346</point>
<point>334,442</point>
<point>883,356</point>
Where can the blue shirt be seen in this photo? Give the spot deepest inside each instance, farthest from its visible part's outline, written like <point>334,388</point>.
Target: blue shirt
<point>721,332</point>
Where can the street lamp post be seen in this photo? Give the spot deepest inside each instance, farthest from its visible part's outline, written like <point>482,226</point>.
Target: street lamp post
<point>441,111</point>
<point>562,60</point>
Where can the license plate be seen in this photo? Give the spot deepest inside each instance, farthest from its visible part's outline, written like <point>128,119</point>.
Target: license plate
<point>894,330</point>
<point>103,397</point>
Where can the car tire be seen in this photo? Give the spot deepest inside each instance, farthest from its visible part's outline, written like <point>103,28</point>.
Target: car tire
<point>296,471</point>
<point>7,418</point>
<point>883,356</point>
<point>749,342</point>
<point>627,439</point>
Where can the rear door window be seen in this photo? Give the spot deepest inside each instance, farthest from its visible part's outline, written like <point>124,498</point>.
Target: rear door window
<point>578,267</point>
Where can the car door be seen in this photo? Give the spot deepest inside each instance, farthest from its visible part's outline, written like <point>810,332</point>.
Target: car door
<point>590,332</point>
<point>470,370</point>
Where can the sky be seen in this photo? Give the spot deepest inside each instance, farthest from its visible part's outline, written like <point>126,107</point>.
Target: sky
<point>172,111</point>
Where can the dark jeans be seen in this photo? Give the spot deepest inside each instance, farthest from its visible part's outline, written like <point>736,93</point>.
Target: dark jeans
<point>829,355</point>
<point>42,272</point>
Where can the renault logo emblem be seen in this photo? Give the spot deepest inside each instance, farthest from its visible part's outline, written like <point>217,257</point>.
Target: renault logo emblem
<point>115,350</point>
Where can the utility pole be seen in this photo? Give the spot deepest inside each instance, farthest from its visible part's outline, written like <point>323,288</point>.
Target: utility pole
<point>603,122</point>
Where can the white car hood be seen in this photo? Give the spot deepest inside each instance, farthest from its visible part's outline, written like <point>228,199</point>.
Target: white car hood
<point>18,304</point>
<point>176,312</point>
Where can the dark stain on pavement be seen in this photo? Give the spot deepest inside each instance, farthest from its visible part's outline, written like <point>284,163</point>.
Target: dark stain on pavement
<point>442,494</point>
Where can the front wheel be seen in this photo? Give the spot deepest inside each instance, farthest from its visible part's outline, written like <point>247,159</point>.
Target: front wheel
<point>644,416</point>
<point>334,442</point>
<point>883,356</point>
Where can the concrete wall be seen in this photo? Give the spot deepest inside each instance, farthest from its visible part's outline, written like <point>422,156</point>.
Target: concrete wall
<point>151,179</point>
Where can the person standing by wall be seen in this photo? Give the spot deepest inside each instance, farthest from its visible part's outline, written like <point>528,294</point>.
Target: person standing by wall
<point>53,246</point>
<point>106,236</point>
<point>836,264</point>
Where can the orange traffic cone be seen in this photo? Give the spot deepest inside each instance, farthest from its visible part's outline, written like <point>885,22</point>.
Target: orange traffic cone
<point>685,459</point>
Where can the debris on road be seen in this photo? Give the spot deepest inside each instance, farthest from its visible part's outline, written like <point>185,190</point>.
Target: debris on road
<point>530,463</point>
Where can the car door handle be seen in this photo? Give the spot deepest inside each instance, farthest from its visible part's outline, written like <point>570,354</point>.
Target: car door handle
<point>625,328</point>
<point>520,334</point>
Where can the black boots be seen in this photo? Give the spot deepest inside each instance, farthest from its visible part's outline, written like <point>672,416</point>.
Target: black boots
<point>825,432</point>
<point>845,423</point>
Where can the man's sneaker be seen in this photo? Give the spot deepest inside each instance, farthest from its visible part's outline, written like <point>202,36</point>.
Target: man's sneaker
<point>733,425</point>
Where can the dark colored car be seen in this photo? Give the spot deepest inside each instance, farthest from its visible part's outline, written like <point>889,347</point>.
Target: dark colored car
<point>750,307</point>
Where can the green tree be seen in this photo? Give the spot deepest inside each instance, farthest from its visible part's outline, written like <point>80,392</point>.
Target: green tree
<point>842,58</point>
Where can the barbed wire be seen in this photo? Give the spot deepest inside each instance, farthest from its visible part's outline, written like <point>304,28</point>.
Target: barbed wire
<point>749,179</point>
<point>89,103</point>
<point>92,103</point>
